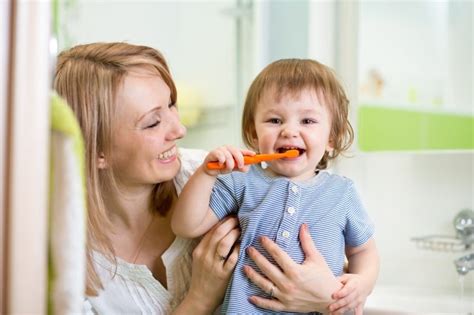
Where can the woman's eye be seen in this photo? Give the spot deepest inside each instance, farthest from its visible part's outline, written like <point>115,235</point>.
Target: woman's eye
<point>152,125</point>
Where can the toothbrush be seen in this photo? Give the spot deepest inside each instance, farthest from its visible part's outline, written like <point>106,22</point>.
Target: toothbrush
<point>257,158</point>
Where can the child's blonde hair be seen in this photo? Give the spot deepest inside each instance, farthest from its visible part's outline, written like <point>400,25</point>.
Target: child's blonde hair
<point>291,76</point>
<point>88,77</point>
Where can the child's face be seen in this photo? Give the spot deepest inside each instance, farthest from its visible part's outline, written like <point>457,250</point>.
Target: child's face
<point>144,140</point>
<point>298,121</point>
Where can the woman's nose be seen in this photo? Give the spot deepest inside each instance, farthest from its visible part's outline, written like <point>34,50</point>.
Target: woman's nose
<point>176,129</point>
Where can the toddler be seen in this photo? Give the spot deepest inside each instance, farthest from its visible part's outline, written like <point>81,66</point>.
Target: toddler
<point>299,105</point>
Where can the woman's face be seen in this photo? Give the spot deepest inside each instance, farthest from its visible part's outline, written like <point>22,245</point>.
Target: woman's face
<point>144,137</point>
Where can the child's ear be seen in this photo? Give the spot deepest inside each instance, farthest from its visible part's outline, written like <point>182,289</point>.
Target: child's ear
<point>330,146</point>
<point>254,143</point>
<point>101,162</point>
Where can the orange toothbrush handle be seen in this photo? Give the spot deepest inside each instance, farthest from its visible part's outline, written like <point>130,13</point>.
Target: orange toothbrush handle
<point>256,159</point>
<point>247,160</point>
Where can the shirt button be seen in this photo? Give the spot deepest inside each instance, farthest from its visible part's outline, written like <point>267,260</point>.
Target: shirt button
<point>285,234</point>
<point>294,189</point>
<point>291,210</point>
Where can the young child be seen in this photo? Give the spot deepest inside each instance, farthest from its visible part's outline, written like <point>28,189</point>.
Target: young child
<point>292,104</point>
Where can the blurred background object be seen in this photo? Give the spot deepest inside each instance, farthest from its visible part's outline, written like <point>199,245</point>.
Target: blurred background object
<point>408,70</point>
<point>67,212</point>
<point>25,34</point>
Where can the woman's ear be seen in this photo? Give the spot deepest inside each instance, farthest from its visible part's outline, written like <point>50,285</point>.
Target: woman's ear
<point>101,162</point>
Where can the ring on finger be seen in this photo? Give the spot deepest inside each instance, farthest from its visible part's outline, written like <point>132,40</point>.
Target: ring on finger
<point>270,293</point>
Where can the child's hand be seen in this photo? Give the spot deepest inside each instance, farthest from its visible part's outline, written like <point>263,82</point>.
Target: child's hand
<point>229,156</point>
<point>351,296</point>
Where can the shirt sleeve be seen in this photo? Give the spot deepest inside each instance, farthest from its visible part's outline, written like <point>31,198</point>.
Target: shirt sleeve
<point>87,308</point>
<point>223,198</point>
<point>190,160</point>
<point>359,227</point>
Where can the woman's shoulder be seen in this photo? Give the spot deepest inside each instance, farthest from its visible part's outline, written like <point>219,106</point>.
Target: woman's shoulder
<point>192,155</point>
<point>190,160</point>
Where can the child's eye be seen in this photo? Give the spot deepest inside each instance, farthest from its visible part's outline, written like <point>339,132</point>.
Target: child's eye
<point>308,121</point>
<point>274,121</point>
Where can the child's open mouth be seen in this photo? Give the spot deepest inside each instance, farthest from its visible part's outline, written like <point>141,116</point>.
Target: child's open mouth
<point>284,149</point>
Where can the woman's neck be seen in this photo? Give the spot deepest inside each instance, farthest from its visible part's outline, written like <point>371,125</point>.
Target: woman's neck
<point>129,208</point>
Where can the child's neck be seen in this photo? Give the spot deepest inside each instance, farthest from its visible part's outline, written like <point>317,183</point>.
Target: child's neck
<point>297,178</point>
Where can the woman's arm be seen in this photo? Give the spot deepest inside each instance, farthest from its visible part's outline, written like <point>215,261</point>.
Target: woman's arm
<point>305,287</point>
<point>211,273</point>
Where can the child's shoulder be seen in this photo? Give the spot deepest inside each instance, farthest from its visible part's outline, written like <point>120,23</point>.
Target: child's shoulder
<point>339,180</point>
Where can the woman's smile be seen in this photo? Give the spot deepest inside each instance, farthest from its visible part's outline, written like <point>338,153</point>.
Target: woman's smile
<point>168,156</point>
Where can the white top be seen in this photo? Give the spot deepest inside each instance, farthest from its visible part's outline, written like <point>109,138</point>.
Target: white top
<point>132,289</point>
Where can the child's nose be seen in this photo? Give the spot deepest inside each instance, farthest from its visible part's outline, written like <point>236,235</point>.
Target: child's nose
<point>289,132</point>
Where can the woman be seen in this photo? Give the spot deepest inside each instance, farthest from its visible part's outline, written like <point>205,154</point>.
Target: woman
<point>125,100</point>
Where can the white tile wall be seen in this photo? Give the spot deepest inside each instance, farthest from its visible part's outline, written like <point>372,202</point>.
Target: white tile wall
<point>414,194</point>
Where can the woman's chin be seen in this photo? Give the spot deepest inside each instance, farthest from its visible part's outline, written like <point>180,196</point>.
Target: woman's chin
<point>167,169</point>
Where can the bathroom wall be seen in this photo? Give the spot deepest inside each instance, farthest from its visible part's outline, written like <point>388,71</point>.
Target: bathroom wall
<point>409,195</point>
<point>196,37</point>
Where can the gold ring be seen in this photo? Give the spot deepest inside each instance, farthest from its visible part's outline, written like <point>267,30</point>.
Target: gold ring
<point>271,292</point>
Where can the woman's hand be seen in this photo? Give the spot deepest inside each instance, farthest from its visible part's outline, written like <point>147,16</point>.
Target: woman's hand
<point>351,296</point>
<point>214,260</point>
<point>294,288</point>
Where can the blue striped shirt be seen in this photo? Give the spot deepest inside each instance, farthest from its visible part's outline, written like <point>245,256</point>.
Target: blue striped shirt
<point>276,207</point>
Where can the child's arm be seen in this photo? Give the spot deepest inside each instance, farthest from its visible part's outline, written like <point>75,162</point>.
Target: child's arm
<point>360,280</point>
<point>192,216</point>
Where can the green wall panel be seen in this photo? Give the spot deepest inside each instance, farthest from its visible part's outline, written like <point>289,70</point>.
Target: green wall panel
<point>388,129</point>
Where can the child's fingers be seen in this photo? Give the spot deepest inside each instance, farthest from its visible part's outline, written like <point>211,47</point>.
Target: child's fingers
<point>343,292</point>
<point>237,156</point>
<point>229,159</point>
<point>347,303</point>
<point>214,156</point>
<point>248,152</point>
<point>344,278</point>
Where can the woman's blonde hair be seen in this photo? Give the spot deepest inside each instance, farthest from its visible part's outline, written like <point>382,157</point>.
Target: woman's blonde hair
<point>292,76</point>
<point>88,78</point>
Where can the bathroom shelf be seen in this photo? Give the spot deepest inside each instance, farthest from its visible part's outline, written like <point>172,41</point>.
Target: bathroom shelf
<point>441,243</point>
